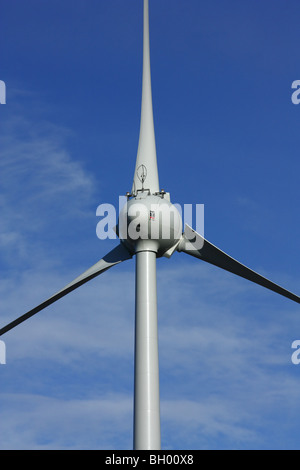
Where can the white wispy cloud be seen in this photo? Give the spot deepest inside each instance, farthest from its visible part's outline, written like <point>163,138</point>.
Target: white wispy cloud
<point>68,381</point>
<point>42,422</point>
<point>40,182</point>
<point>211,365</point>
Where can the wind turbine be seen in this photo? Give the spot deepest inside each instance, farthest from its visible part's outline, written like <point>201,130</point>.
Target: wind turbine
<point>143,224</point>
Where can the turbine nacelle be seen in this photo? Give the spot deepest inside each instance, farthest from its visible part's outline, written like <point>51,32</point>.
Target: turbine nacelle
<point>150,222</point>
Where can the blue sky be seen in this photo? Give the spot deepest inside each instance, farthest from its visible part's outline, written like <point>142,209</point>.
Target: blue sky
<point>227,136</point>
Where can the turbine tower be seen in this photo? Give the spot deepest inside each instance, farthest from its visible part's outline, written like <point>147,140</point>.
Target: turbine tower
<point>150,227</point>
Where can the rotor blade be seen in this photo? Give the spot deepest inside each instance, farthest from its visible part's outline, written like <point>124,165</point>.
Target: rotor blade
<point>194,244</point>
<point>117,255</point>
<point>146,172</point>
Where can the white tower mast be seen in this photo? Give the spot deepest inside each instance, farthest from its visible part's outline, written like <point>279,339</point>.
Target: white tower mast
<point>146,374</point>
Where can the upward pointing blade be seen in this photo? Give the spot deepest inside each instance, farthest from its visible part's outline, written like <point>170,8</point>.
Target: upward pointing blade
<point>146,173</point>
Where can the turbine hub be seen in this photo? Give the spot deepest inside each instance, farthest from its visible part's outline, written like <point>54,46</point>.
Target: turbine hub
<point>150,223</point>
